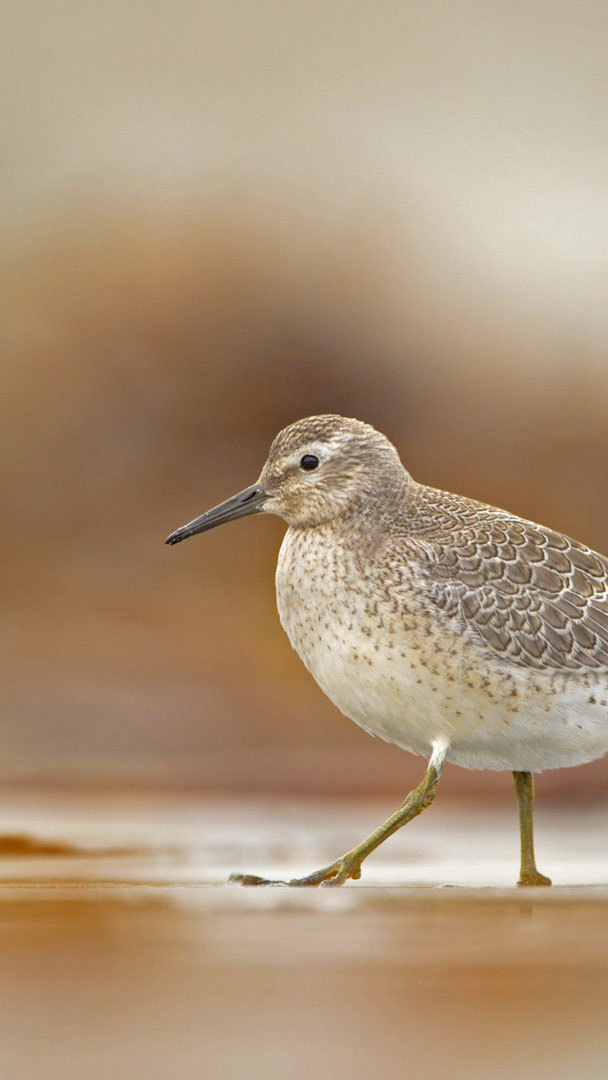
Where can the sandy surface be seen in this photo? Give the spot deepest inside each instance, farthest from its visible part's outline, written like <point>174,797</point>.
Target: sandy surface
<point>125,954</point>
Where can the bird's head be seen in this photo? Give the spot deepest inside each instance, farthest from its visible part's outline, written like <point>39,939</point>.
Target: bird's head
<point>318,470</point>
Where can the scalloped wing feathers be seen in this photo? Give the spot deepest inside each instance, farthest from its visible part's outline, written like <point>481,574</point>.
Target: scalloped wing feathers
<point>530,594</point>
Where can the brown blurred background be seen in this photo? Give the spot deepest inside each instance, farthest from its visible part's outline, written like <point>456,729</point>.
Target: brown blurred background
<point>217,219</point>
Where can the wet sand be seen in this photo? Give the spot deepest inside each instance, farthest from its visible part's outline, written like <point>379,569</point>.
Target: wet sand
<point>125,954</point>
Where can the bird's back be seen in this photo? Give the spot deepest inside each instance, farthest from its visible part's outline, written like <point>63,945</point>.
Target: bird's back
<point>533,596</point>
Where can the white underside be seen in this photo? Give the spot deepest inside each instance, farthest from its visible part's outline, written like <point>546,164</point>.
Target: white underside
<point>553,727</point>
<point>528,721</point>
<point>409,693</point>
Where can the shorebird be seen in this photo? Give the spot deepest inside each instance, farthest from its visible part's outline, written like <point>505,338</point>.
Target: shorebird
<point>457,631</point>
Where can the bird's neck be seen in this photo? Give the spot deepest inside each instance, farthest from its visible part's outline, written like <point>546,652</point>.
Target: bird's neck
<point>371,516</point>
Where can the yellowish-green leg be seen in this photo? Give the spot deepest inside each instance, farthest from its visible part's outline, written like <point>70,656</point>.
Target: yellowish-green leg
<point>524,789</point>
<point>349,865</point>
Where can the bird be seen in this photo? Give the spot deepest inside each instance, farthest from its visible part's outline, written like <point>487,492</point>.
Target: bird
<point>455,630</point>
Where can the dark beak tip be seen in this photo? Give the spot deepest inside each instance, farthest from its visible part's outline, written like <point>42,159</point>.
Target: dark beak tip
<point>177,536</point>
<point>245,502</point>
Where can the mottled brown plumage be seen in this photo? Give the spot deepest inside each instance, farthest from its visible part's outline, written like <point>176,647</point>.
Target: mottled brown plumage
<point>456,630</point>
<point>531,595</point>
<point>534,596</point>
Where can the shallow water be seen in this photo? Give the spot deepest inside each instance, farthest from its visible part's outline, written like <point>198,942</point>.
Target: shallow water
<point>126,955</point>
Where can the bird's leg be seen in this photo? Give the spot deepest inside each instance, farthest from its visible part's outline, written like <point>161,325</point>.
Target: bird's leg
<point>349,865</point>
<point>524,789</point>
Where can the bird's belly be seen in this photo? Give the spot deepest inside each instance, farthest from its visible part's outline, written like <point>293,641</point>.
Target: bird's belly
<point>381,696</point>
<point>545,721</point>
<point>421,689</point>
<point>488,721</point>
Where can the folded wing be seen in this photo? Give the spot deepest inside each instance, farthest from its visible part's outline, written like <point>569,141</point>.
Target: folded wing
<point>530,594</point>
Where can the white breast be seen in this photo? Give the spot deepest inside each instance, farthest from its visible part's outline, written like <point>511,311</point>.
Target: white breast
<point>374,676</point>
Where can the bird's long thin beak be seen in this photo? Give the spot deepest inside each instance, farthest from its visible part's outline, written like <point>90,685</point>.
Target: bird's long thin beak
<point>249,501</point>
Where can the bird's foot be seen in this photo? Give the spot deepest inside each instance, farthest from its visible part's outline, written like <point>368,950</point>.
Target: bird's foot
<point>532,877</point>
<point>348,866</point>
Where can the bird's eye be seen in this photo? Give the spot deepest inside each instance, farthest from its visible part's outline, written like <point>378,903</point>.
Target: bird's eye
<point>308,462</point>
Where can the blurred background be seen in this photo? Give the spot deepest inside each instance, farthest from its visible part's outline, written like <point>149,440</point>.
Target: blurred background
<point>217,218</point>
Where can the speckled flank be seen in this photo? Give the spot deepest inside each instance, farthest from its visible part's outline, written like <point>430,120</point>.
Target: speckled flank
<point>426,616</point>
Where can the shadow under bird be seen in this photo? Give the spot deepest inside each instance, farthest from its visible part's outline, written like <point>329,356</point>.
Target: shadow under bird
<point>455,630</point>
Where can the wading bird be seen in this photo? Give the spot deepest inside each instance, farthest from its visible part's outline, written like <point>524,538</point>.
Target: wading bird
<point>455,630</point>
